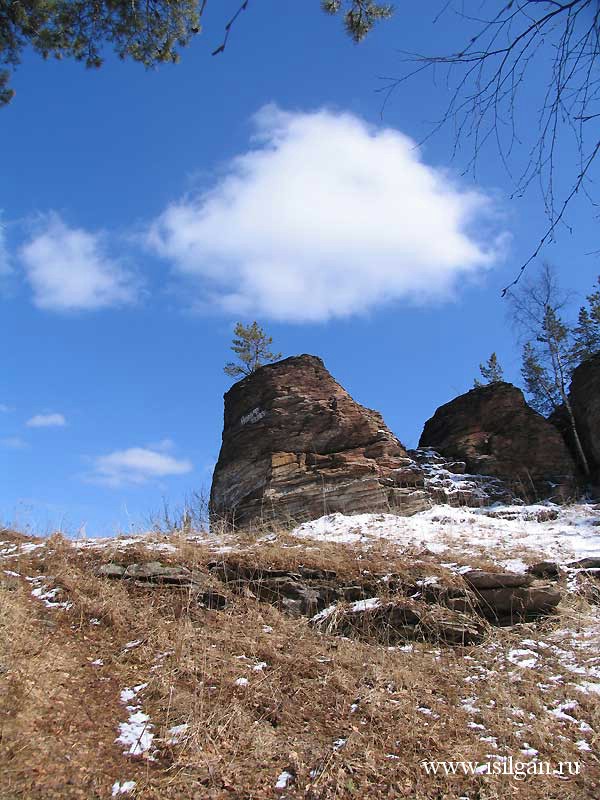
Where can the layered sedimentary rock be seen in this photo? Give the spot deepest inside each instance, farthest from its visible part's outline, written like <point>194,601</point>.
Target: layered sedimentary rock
<point>585,401</point>
<point>297,446</point>
<point>495,432</point>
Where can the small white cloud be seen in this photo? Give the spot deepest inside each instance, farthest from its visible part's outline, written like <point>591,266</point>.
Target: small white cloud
<point>13,443</point>
<point>68,269</point>
<point>46,421</point>
<point>163,445</point>
<point>136,465</point>
<point>5,409</point>
<point>326,216</point>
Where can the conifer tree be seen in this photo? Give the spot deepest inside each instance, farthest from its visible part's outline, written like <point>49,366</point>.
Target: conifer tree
<point>586,334</point>
<point>491,372</point>
<point>549,356</point>
<point>251,346</point>
<point>359,15</point>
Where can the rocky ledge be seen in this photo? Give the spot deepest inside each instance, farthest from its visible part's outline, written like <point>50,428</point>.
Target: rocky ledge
<point>382,608</point>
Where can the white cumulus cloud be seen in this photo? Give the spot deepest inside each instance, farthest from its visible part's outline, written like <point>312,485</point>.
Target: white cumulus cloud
<point>326,216</point>
<point>136,465</point>
<point>46,421</point>
<point>68,269</point>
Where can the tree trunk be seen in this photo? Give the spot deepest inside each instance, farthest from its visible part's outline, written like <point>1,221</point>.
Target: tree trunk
<point>582,458</point>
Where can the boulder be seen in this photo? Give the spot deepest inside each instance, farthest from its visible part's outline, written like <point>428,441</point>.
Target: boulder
<point>516,603</point>
<point>494,431</point>
<point>479,579</point>
<point>296,446</point>
<point>110,571</point>
<point>585,563</point>
<point>545,569</point>
<point>155,572</point>
<point>585,401</point>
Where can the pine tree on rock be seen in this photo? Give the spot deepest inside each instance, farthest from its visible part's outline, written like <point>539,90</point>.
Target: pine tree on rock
<point>491,372</point>
<point>549,352</point>
<point>586,334</point>
<point>252,348</point>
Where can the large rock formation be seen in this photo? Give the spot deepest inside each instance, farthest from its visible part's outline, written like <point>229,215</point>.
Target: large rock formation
<point>495,432</point>
<point>297,446</point>
<point>585,401</point>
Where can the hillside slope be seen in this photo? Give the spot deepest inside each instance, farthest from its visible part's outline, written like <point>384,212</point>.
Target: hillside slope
<point>188,675</point>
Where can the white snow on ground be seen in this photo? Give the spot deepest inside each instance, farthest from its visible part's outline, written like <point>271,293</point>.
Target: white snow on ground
<point>122,788</point>
<point>47,595</point>
<point>284,780</point>
<point>364,605</point>
<point>136,734</point>
<point>177,733</point>
<point>9,549</point>
<point>497,530</point>
<point>131,645</point>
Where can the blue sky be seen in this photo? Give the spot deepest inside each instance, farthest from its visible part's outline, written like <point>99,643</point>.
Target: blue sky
<point>144,213</point>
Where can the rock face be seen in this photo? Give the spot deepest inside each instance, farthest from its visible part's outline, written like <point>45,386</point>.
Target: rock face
<point>585,401</point>
<point>495,432</point>
<point>297,446</point>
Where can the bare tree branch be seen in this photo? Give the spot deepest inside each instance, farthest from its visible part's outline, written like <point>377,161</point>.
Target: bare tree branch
<point>486,81</point>
<point>228,27</point>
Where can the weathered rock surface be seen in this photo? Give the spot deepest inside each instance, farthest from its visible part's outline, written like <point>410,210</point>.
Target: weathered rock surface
<point>297,446</point>
<point>452,614</point>
<point>479,579</point>
<point>545,569</point>
<point>155,573</point>
<point>302,592</point>
<point>585,563</point>
<point>512,604</point>
<point>585,401</point>
<point>495,432</point>
<point>447,481</point>
<point>399,620</point>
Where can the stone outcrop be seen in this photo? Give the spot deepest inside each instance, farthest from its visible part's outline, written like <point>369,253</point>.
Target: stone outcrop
<point>296,446</point>
<point>410,609</point>
<point>154,573</point>
<point>509,596</point>
<point>382,608</point>
<point>494,432</point>
<point>585,401</point>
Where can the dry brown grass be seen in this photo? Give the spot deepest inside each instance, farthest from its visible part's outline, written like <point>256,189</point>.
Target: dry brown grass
<point>59,714</point>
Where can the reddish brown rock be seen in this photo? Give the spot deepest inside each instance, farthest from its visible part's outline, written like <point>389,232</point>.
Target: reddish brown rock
<point>495,432</point>
<point>511,604</point>
<point>297,446</point>
<point>585,401</point>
